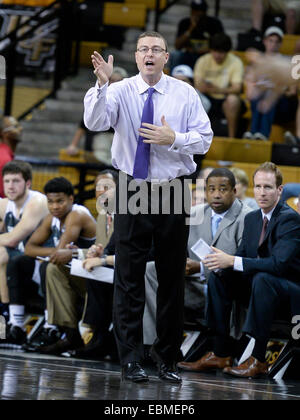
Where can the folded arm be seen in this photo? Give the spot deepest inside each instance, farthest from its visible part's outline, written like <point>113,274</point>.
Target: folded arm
<point>34,213</point>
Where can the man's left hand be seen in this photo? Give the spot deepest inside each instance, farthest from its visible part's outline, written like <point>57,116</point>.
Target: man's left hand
<point>161,135</point>
<point>219,260</point>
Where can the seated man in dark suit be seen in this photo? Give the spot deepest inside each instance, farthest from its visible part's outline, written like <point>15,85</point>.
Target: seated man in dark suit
<point>265,272</point>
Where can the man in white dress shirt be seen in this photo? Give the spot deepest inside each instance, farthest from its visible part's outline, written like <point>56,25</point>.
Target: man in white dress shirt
<point>178,129</point>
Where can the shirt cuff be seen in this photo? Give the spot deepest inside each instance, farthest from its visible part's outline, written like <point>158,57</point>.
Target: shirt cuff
<point>238,264</point>
<point>100,89</point>
<point>178,143</point>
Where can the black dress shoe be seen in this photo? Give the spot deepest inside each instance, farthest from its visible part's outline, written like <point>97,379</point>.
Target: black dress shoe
<point>169,373</point>
<point>72,340</point>
<point>134,372</point>
<point>166,371</point>
<point>95,349</point>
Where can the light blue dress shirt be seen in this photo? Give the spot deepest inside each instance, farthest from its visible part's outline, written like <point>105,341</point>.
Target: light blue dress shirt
<point>120,106</point>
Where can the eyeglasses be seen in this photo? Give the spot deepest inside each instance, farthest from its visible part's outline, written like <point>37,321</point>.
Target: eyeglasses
<point>155,50</point>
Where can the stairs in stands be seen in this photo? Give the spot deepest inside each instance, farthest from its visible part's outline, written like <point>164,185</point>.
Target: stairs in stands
<point>53,125</point>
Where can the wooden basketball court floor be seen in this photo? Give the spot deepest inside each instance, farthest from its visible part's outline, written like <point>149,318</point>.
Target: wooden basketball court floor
<point>25,376</point>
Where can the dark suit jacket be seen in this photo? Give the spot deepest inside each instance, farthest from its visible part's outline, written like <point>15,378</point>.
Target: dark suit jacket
<point>279,254</point>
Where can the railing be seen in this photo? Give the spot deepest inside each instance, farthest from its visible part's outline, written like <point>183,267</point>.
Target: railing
<point>67,14</point>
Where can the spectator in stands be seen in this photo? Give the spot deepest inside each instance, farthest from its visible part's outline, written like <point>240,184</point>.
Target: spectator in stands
<point>278,70</point>
<point>193,34</point>
<point>66,223</point>
<point>287,12</point>
<point>220,223</point>
<point>264,272</point>
<point>285,107</point>
<point>263,8</point>
<point>20,214</point>
<point>242,185</point>
<point>219,76</point>
<point>292,17</point>
<point>94,140</point>
<point>10,136</point>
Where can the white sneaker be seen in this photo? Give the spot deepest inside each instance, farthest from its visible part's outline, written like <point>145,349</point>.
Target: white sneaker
<point>248,135</point>
<point>289,138</point>
<point>260,136</point>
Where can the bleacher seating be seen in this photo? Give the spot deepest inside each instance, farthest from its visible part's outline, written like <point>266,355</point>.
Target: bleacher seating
<point>150,4</point>
<point>238,150</point>
<point>289,43</point>
<point>124,14</point>
<point>86,50</point>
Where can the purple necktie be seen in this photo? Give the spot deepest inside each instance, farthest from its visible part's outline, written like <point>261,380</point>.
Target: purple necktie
<point>142,156</point>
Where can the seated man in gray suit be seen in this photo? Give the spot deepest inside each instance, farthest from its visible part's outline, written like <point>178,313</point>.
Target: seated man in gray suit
<point>220,223</point>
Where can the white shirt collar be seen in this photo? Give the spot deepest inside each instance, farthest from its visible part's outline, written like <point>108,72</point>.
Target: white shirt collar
<point>159,87</point>
<point>214,214</point>
<point>267,215</point>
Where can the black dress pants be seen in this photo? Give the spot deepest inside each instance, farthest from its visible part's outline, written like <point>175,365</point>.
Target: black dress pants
<point>98,312</point>
<point>135,234</point>
<point>263,293</point>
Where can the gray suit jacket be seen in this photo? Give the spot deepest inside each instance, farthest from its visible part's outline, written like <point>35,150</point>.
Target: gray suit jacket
<point>229,233</point>
<point>227,238</point>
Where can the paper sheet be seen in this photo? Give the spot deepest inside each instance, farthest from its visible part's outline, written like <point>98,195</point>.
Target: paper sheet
<point>99,273</point>
<point>201,249</point>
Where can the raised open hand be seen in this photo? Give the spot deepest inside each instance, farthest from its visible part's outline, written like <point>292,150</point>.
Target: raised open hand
<point>102,69</point>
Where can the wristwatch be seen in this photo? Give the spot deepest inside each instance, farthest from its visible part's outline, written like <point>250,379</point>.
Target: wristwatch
<point>103,260</point>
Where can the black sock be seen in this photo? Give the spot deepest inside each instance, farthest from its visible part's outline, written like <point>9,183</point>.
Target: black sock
<point>259,351</point>
<point>222,346</point>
